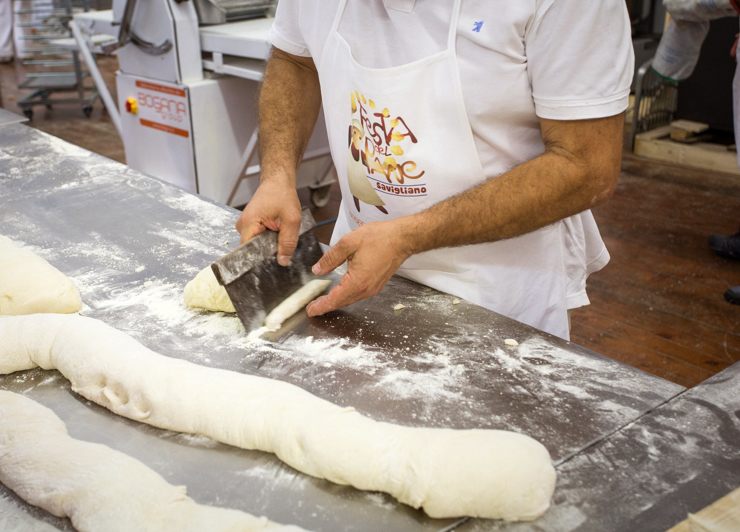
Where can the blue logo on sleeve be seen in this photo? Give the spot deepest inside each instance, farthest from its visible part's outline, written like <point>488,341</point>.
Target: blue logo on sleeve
<point>477,26</point>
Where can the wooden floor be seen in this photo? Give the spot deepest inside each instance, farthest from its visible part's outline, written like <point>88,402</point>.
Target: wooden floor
<point>657,306</point>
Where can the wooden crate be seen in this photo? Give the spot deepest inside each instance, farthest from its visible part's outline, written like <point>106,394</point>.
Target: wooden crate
<point>656,145</point>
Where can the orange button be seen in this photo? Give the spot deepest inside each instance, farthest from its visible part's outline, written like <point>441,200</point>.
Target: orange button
<point>131,105</point>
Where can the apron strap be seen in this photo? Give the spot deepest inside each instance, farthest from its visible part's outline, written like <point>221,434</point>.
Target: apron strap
<point>452,36</point>
<point>338,17</point>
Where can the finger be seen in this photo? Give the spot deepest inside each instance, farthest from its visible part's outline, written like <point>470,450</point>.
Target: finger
<point>332,259</point>
<point>339,296</point>
<point>248,228</point>
<point>249,231</point>
<point>290,226</point>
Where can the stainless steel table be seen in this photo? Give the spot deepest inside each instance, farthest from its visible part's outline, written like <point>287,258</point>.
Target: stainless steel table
<point>131,242</point>
<point>679,458</point>
<point>6,117</point>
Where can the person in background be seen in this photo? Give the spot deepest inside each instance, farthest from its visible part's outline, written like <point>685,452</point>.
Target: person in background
<point>676,58</point>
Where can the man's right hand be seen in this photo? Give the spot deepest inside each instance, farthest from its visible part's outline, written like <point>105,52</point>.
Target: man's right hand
<point>274,206</point>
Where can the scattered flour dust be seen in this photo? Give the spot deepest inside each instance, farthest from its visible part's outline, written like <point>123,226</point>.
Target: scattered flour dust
<point>433,377</point>
<point>206,213</point>
<point>277,475</point>
<point>339,352</point>
<point>407,384</point>
<point>64,148</point>
<point>196,440</point>
<point>155,310</point>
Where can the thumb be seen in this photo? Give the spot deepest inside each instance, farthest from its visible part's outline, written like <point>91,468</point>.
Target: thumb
<point>290,227</point>
<point>332,259</point>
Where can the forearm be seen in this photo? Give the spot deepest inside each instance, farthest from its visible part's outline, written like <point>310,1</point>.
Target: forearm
<point>553,186</point>
<point>289,105</point>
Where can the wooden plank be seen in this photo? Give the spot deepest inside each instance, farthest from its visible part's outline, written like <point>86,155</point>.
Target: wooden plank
<point>724,514</point>
<point>656,133</point>
<point>690,126</point>
<point>700,155</point>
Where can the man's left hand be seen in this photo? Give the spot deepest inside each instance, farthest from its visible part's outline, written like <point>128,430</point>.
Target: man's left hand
<point>373,252</point>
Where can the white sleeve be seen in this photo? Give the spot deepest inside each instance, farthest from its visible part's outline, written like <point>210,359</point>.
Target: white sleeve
<point>286,32</point>
<point>580,58</point>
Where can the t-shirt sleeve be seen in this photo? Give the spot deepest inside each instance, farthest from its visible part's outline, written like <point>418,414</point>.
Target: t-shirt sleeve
<point>286,32</point>
<point>580,59</point>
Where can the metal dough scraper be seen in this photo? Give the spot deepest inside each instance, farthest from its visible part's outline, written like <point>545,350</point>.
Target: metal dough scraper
<point>254,280</point>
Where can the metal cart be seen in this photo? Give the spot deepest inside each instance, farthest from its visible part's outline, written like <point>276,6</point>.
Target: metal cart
<point>656,99</point>
<point>50,32</point>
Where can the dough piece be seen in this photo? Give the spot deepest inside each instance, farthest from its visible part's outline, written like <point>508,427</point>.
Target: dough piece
<point>295,302</point>
<point>511,342</point>
<point>400,306</point>
<point>99,489</point>
<point>450,473</point>
<point>29,284</point>
<point>205,292</point>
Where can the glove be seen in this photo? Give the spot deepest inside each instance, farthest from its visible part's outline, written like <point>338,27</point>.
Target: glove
<point>679,48</point>
<point>701,10</point>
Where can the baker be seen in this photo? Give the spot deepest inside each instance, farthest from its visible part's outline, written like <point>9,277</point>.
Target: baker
<point>470,140</point>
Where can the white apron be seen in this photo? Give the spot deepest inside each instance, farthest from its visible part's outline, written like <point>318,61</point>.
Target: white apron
<point>402,142</point>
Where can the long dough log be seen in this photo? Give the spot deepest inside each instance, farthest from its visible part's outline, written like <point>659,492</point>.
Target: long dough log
<point>450,473</point>
<point>99,489</point>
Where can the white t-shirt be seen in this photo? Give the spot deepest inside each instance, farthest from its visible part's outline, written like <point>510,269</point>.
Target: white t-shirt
<point>519,61</point>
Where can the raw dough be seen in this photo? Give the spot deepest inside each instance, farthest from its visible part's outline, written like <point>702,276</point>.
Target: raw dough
<point>297,300</point>
<point>511,342</point>
<point>29,284</point>
<point>205,292</point>
<point>450,473</point>
<point>99,489</point>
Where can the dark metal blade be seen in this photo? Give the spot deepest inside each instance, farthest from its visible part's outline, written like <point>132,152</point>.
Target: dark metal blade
<point>254,280</point>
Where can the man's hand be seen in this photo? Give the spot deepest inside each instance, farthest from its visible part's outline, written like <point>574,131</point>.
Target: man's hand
<point>373,252</point>
<point>274,206</point>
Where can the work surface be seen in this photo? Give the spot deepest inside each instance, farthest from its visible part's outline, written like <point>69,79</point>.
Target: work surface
<point>131,243</point>
<point>6,117</point>
<point>679,458</point>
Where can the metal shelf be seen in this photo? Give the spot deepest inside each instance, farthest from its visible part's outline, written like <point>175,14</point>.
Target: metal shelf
<point>51,22</point>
